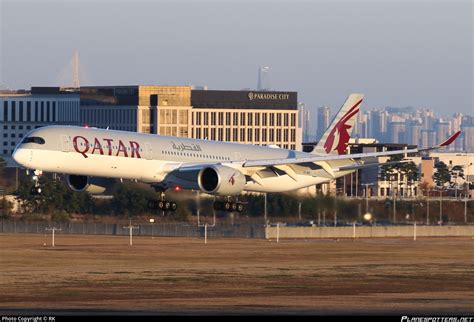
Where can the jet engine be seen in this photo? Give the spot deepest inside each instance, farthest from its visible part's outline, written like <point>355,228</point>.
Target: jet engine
<point>92,185</point>
<point>221,180</point>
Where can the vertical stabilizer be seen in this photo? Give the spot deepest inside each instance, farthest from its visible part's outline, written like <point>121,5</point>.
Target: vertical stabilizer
<point>337,135</point>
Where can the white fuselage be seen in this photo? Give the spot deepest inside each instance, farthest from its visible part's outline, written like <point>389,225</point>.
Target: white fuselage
<point>150,158</point>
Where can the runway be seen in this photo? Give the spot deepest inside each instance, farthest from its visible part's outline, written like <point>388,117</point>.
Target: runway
<point>102,275</point>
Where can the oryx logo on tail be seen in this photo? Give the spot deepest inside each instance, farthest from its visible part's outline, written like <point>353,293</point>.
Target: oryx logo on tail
<point>335,139</point>
<point>338,138</point>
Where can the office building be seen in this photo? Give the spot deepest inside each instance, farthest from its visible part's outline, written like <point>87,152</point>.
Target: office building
<point>262,118</point>
<point>24,110</point>
<point>468,137</point>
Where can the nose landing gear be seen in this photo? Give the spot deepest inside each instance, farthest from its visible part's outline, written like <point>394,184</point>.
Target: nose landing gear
<point>36,189</point>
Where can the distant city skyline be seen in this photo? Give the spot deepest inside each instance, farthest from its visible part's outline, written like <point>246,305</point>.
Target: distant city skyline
<point>405,125</point>
<point>397,53</point>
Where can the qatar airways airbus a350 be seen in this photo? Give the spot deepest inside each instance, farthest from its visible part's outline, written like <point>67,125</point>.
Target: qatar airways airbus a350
<point>89,155</point>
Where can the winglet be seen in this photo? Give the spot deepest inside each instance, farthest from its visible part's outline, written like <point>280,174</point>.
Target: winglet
<point>446,142</point>
<point>450,140</point>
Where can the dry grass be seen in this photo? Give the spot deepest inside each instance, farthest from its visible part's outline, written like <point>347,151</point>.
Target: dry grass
<point>178,275</point>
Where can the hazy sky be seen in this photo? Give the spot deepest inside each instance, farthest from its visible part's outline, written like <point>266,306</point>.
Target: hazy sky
<point>397,53</point>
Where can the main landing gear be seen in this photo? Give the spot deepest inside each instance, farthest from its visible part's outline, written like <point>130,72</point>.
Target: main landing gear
<point>228,206</point>
<point>162,204</point>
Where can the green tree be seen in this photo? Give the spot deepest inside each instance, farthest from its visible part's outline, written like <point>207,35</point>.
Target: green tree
<point>5,207</point>
<point>389,172</point>
<point>131,200</point>
<point>28,201</point>
<point>456,172</point>
<point>3,163</point>
<point>442,174</point>
<point>411,171</point>
<point>2,166</point>
<point>55,197</point>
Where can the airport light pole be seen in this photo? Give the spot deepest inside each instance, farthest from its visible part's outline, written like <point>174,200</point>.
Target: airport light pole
<point>357,183</point>
<point>367,196</point>
<point>265,207</point>
<point>198,204</point>
<point>206,225</point>
<point>152,222</point>
<point>428,207</point>
<point>131,228</point>
<point>394,197</point>
<point>299,210</point>
<point>465,207</point>
<point>53,229</point>
<point>466,184</point>
<point>440,206</point>
<point>440,189</point>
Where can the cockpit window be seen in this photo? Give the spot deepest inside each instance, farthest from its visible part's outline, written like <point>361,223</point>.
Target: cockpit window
<point>33,139</point>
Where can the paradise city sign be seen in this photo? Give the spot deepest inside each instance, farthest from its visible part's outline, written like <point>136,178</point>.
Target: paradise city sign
<point>268,96</point>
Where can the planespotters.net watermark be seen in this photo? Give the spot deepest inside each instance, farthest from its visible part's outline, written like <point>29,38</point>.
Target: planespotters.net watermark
<point>437,319</point>
<point>38,318</point>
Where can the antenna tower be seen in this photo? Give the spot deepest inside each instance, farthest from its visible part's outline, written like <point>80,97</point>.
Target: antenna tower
<point>75,70</point>
<point>263,83</point>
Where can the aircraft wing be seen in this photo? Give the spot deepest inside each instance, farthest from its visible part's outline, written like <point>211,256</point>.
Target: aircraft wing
<point>361,165</point>
<point>319,158</point>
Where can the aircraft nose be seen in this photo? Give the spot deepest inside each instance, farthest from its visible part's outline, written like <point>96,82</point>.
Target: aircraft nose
<point>21,156</point>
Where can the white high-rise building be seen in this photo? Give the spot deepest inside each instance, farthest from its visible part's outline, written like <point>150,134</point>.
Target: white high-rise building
<point>22,111</point>
<point>324,118</point>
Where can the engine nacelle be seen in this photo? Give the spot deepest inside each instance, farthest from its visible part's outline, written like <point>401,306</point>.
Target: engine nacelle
<point>92,185</point>
<point>221,180</point>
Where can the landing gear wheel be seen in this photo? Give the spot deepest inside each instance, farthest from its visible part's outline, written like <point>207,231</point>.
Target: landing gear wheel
<point>35,190</point>
<point>173,206</point>
<point>161,205</point>
<point>228,206</point>
<point>167,205</point>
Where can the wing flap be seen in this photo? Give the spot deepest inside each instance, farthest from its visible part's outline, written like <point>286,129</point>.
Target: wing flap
<point>366,165</point>
<point>273,162</point>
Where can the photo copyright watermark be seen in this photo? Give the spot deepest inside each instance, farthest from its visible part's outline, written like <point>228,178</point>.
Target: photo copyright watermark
<point>38,318</point>
<point>437,319</point>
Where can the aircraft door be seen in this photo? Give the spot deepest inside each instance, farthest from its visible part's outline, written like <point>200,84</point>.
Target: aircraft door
<point>148,151</point>
<point>65,143</point>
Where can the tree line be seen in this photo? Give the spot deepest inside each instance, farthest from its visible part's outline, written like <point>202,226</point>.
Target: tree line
<point>444,176</point>
<point>129,200</point>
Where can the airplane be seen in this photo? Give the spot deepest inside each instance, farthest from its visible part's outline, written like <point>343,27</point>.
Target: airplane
<point>91,156</point>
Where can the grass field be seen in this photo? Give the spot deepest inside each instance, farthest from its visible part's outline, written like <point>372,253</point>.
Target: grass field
<point>184,276</point>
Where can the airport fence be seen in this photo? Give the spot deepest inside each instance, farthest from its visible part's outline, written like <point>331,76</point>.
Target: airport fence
<point>407,231</point>
<point>157,229</point>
